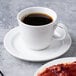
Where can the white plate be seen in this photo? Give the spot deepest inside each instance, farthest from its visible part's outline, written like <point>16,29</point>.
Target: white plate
<point>55,62</point>
<point>16,47</point>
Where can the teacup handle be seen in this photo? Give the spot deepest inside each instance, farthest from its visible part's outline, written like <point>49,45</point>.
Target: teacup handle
<point>62,29</point>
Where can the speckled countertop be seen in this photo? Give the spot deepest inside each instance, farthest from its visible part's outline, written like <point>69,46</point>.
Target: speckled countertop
<point>66,11</point>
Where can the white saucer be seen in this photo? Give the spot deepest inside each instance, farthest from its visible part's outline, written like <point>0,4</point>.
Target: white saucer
<point>16,47</point>
<point>55,62</point>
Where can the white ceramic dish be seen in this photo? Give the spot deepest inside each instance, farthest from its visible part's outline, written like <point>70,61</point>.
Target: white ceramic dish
<point>55,62</point>
<point>16,47</point>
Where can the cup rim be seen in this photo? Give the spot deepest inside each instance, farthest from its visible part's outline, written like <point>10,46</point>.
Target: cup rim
<point>18,15</point>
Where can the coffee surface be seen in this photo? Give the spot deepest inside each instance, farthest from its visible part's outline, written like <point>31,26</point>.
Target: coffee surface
<point>37,19</point>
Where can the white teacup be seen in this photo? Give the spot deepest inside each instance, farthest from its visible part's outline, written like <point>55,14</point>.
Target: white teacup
<point>39,37</point>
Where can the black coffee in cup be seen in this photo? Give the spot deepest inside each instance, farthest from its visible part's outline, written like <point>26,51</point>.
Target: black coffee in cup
<point>37,19</point>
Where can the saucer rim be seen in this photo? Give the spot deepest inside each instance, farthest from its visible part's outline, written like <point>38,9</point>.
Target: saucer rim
<point>6,47</point>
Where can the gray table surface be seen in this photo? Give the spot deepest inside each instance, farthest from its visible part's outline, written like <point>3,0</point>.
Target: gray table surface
<point>66,10</point>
